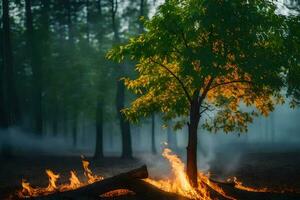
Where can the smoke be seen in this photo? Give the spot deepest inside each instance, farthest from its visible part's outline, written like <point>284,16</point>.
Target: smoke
<point>19,142</point>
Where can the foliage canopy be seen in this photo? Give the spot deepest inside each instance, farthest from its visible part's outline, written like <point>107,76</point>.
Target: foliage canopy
<point>230,56</point>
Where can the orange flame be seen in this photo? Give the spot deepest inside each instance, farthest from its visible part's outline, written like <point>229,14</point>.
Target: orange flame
<point>89,174</point>
<point>239,185</point>
<point>52,180</point>
<point>28,191</point>
<point>180,184</point>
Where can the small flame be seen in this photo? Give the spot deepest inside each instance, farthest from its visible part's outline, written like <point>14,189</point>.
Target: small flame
<point>89,174</point>
<point>28,191</point>
<point>52,180</point>
<point>239,185</point>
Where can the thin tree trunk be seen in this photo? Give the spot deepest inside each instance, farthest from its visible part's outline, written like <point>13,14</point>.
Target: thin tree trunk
<point>153,147</point>
<point>3,117</point>
<point>141,27</point>
<point>74,130</point>
<point>11,102</point>
<point>55,123</point>
<point>65,123</point>
<point>99,131</point>
<point>171,137</point>
<point>192,143</point>
<point>124,124</point>
<point>36,70</point>
<point>120,97</point>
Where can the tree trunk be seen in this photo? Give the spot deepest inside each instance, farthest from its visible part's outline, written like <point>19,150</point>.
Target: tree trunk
<point>74,130</point>
<point>124,124</point>
<point>153,147</point>
<point>141,26</point>
<point>36,70</point>
<point>65,122</point>
<point>3,117</point>
<point>54,125</point>
<point>192,143</point>
<point>172,140</point>
<point>99,131</point>
<point>10,98</point>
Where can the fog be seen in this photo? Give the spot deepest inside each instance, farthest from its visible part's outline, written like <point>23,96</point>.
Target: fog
<point>277,133</point>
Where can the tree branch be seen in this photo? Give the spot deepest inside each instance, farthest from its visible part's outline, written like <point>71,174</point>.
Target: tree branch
<point>206,108</point>
<point>205,91</point>
<point>177,78</point>
<point>230,82</point>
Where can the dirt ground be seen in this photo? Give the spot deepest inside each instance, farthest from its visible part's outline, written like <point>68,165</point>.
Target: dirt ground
<point>272,170</point>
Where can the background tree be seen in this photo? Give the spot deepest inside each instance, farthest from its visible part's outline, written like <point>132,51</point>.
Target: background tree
<point>224,59</point>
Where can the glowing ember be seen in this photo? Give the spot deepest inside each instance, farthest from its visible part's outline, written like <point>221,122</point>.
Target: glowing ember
<point>119,192</point>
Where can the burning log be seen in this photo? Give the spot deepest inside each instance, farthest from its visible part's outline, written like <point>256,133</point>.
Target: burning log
<point>129,181</point>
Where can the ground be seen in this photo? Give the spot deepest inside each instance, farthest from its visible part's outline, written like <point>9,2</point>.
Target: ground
<point>272,170</point>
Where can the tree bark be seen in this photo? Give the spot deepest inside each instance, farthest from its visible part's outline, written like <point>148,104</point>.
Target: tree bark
<point>99,131</point>
<point>3,117</point>
<point>10,97</point>
<point>120,97</point>
<point>74,129</point>
<point>192,142</point>
<point>36,62</point>
<point>124,124</point>
<point>172,140</point>
<point>153,147</point>
<point>141,27</point>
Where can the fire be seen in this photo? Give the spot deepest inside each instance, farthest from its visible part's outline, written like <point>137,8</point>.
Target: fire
<point>74,183</point>
<point>89,174</point>
<point>179,182</point>
<point>52,180</point>
<point>239,185</point>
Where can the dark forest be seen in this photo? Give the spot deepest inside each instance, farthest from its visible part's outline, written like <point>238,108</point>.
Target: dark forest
<point>204,95</point>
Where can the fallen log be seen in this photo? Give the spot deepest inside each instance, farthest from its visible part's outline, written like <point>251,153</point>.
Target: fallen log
<point>129,181</point>
<point>240,194</point>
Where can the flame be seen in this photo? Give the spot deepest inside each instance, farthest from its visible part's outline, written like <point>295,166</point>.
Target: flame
<point>239,185</point>
<point>179,182</point>
<point>74,183</point>
<point>52,180</point>
<point>89,174</point>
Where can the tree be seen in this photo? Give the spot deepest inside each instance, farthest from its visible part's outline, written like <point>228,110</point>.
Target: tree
<point>223,59</point>
<point>171,137</point>
<point>36,63</point>
<point>11,102</point>
<point>153,146</point>
<point>120,96</point>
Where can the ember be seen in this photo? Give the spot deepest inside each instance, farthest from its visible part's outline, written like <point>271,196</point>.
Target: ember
<point>119,192</point>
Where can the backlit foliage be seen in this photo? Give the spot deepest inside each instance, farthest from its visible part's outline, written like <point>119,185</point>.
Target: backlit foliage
<point>228,54</point>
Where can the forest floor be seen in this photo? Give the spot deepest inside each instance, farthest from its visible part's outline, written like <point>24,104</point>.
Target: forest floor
<point>271,170</point>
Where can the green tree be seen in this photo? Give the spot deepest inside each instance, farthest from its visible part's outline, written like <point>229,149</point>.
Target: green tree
<point>225,59</point>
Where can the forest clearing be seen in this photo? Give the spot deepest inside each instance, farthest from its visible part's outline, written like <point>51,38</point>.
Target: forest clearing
<point>150,99</point>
